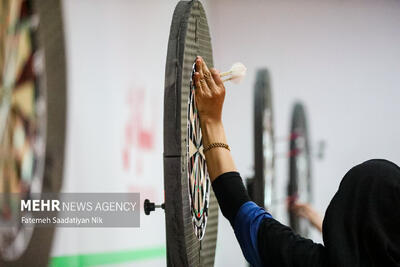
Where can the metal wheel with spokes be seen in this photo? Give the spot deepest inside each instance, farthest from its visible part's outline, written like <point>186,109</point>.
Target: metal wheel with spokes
<point>191,209</point>
<point>32,121</point>
<point>299,187</point>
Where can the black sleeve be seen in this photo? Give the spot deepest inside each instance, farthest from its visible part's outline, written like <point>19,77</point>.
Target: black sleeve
<point>278,245</point>
<point>231,194</point>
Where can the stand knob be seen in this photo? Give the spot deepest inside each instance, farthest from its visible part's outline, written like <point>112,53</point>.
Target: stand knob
<point>151,206</point>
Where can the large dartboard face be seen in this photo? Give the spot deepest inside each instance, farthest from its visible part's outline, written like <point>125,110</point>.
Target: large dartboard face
<point>190,204</point>
<point>22,117</point>
<point>199,182</point>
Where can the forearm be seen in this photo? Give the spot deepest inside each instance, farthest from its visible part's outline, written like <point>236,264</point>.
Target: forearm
<point>219,160</point>
<point>316,220</point>
<point>245,216</point>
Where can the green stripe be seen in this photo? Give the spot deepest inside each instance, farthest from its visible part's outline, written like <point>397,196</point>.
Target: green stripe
<point>93,259</point>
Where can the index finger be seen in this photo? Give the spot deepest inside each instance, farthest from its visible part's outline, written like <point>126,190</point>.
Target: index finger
<point>199,65</point>
<point>209,77</point>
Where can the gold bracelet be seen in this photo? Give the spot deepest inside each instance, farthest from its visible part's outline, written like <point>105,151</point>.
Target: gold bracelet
<point>214,145</point>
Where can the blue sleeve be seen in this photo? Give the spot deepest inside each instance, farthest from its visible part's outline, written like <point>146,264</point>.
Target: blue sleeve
<point>246,225</point>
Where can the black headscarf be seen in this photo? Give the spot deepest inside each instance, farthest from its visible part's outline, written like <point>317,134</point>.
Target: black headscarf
<point>362,223</point>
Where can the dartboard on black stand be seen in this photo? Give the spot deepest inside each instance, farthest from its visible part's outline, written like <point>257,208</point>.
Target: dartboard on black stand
<point>262,186</point>
<point>191,209</point>
<point>32,120</point>
<point>300,186</point>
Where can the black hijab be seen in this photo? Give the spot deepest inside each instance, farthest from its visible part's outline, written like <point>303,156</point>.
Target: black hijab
<point>362,223</point>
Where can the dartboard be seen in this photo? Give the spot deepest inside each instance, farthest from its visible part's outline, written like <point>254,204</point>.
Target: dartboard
<point>262,187</point>
<point>31,127</point>
<point>191,209</point>
<point>199,181</point>
<point>300,186</point>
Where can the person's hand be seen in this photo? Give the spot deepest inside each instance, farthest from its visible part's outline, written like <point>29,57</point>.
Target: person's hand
<point>210,92</point>
<point>305,211</point>
<point>210,95</point>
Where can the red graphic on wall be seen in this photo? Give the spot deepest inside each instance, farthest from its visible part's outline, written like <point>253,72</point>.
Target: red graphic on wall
<point>138,133</point>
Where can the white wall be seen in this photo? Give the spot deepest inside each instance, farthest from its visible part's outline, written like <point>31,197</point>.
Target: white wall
<point>341,58</point>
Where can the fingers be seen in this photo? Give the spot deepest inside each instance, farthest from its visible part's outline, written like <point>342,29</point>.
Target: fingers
<point>207,76</point>
<point>197,81</point>
<point>202,82</point>
<point>201,85</point>
<point>217,78</point>
<point>218,81</point>
<point>199,66</point>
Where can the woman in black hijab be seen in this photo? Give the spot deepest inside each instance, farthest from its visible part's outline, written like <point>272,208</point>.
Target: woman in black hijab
<point>362,223</point>
<point>361,227</point>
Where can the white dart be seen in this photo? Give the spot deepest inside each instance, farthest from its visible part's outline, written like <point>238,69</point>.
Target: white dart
<point>235,74</point>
